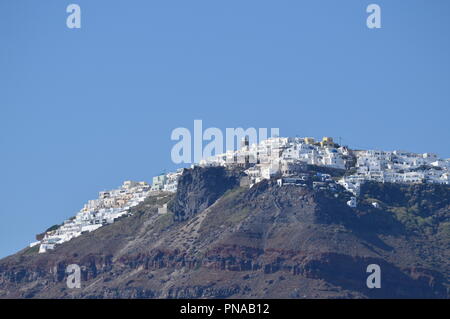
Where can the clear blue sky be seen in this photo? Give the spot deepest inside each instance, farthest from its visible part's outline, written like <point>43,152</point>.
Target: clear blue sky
<point>83,110</point>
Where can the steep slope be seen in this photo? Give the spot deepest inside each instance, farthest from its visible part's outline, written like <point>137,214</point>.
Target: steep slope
<point>264,242</point>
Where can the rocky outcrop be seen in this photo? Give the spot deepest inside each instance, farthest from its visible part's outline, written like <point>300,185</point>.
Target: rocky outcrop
<point>224,241</point>
<point>200,187</point>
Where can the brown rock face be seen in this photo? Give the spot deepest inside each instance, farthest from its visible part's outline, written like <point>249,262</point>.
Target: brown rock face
<point>221,241</point>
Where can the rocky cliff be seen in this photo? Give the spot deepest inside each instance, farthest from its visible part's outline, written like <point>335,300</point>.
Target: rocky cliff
<point>219,240</point>
<point>200,187</point>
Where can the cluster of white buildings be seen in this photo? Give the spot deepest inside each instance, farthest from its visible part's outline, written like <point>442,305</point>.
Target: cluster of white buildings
<point>284,158</point>
<point>396,167</point>
<point>167,182</point>
<point>280,156</point>
<point>109,206</point>
<point>104,210</point>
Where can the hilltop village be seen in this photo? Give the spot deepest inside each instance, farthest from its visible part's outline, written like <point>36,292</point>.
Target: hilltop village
<point>104,210</point>
<point>280,158</point>
<point>285,157</point>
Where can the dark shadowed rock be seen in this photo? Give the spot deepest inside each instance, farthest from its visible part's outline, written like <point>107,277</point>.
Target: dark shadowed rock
<point>200,187</point>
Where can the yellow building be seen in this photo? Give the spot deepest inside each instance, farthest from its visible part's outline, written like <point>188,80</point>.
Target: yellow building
<point>309,140</point>
<point>327,141</point>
